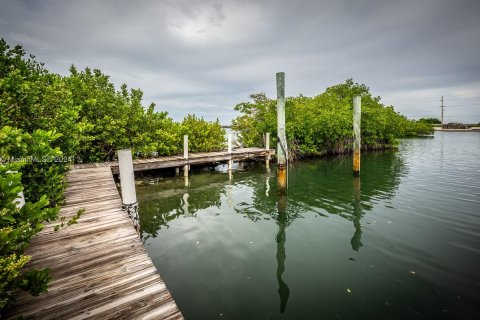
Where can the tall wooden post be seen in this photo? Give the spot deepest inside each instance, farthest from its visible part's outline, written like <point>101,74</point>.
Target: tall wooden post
<point>127,182</point>
<point>357,111</point>
<point>229,145</point>
<point>185,155</point>
<point>282,139</point>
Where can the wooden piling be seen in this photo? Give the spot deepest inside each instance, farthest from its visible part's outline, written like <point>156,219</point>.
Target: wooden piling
<point>185,155</point>
<point>127,177</point>
<point>127,182</point>
<point>282,154</point>
<point>267,147</point>
<point>357,107</point>
<point>229,146</point>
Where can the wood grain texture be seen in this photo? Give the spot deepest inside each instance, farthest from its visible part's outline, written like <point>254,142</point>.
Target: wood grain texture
<point>99,266</point>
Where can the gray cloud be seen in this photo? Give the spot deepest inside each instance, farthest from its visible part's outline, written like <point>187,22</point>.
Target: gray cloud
<point>204,57</point>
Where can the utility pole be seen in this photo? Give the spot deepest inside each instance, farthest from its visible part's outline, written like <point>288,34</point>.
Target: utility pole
<point>442,106</point>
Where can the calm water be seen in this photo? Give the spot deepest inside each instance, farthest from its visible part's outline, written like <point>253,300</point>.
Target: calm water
<point>401,242</point>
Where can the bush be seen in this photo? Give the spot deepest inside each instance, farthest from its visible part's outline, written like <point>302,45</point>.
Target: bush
<point>46,123</point>
<point>19,225</point>
<point>323,124</point>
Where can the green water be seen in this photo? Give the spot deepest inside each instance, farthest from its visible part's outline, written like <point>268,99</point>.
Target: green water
<point>400,242</point>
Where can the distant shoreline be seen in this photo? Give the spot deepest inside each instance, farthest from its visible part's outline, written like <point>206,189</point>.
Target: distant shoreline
<point>474,129</point>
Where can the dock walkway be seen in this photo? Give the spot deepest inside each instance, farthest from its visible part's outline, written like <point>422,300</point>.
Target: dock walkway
<point>99,266</point>
<point>193,159</point>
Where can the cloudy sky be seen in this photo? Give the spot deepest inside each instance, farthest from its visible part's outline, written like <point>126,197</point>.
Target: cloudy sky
<point>206,56</point>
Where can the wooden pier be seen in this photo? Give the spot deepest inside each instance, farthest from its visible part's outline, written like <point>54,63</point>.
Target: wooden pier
<point>99,266</point>
<point>193,159</point>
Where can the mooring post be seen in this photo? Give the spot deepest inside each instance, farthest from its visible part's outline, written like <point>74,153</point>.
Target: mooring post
<point>127,182</point>
<point>267,147</point>
<point>185,155</point>
<point>357,112</point>
<point>282,139</point>
<point>229,146</point>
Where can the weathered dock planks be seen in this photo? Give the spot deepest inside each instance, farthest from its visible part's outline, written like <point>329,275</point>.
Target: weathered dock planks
<point>99,266</point>
<point>193,159</point>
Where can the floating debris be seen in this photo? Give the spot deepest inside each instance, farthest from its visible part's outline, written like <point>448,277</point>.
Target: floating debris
<point>349,291</point>
<point>412,272</point>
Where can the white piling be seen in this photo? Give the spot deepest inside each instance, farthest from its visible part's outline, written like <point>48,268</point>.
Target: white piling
<point>127,178</point>
<point>127,182</point>
<point>267,147</point>
<point>185,155</point>
<point>229,146</point>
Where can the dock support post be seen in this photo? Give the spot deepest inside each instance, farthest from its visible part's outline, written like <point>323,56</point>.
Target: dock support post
<point>229,145</point>
<point>267,143</point>
<point>282,155</point>
<point>185,155</point>
<point>267,147</point>
<point>127,182</point>
<point>177,171</point>
<point>357,107</point>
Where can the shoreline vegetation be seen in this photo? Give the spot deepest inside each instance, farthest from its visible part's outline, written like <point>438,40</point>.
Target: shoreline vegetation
<point>323,124</point>
<point>82,117</point>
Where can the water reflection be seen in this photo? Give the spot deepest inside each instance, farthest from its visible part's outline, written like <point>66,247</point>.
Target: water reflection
<point>321,187</point>
<point>184,204</point>
<point>228,243</point>
<point>281,238</point>
<point>357,214</point>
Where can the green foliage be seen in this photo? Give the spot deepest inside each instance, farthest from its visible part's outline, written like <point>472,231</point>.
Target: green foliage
<point>430,120</point>
<point>111,120</point>
<point>64,223</point>
<point>203,135</point>
<point>323,124</point>
<point>41,181</point>
<point>36,281</point>
<point>46,123</point>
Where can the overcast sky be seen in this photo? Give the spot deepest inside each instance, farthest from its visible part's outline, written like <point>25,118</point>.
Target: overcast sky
<point>205,56</point>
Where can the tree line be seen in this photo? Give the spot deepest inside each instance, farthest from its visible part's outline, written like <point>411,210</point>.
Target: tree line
<point>323,124</point>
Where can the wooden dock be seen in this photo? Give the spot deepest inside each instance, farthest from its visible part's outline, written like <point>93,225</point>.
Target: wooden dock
<point>99,266</point>
<point>193,159</point>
